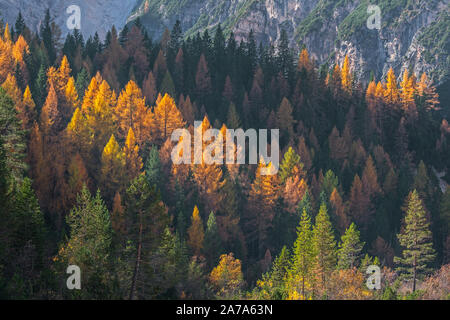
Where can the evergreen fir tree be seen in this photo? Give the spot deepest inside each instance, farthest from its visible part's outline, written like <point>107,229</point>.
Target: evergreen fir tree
<point>416,240</point>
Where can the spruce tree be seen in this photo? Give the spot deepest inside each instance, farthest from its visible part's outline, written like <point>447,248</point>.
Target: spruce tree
<point>303,252</point>
<point>324,246</point>
<point>349,252</point>
<point>212,243</point>
<point>416,240</point>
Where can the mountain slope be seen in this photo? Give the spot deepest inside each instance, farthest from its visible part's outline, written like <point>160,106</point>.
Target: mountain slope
<point>96,15</point>
<point>414,33</point>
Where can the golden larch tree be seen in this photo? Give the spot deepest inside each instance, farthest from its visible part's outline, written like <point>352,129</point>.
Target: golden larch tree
<point>167,118</point>
<point>131,112</point>
<point>133,161</point>
<point>196,233</point>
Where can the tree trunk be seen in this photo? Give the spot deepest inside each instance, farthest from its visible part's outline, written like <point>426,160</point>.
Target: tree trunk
<point>138,259</point>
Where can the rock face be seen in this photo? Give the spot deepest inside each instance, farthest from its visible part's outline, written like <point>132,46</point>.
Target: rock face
<point>96,15</point>
<point>414,34</point>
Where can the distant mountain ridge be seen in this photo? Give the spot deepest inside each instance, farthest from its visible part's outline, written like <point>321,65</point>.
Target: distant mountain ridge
<point>96,15</point>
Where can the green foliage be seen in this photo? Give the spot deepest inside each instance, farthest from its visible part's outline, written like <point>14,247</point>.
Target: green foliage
<point>153,167</point>
<point>416,240</point>
<point>13,136</point>
<point>212,244</point>
<point>89,246</point>
<point>349,252</point>
<point>290,160</point>
<point>324,244</point>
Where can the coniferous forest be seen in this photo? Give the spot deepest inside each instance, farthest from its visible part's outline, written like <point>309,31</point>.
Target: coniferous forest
<point>86,176</point>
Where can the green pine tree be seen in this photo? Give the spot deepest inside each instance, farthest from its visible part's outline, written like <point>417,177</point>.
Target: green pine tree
<point>13,136</point>
<point>324,245</point>
<point>305,203</point>
<point>290,160</point>
<point>89,246</point>
<point>212,243</point>
<point>303,252</point>
<point>153,167</point>
<point>416,240</point>
<point>167,85</point>
<point>349,252</point>
<point>233,120</point>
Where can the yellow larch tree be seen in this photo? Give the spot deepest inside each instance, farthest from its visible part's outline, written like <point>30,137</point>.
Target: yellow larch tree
<point>209,177</point>
<point>133,161</point>
<point>304,61</point>
<point>7,64</point>
<point>80,134</point>
<point>346,75</point>
<point>99,114</point>
<point>72,94</point>
<point>167,118</point>
<point>294,189</point>
<point>28,112</point>
<point>50,119</point>
<point>19,50</point>
<point>89,95</point>
<point>112,169</point>
<point>427,95</point>
<point>196,233</point>
<point>227,278</point>
<point>131,112</point>
<point>391,93</point>
<point>407,93</point>
<point>263,196</point>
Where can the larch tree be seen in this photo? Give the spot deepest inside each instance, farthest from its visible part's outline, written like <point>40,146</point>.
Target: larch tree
<point>133,162</point>
<point>340,211</point>
<point>203,79</point>
<point>427,96</point>
<point>28,114</point>
<point>370,179</point>
<point>416,241</point>
<point>167,118</point>
<point>227,278</point>
<point>262,202</point>
<point>71,94</point>
<point>149,88</point>
<point>391,94</point>
<point>51,120</point>
<point>285,119</point>
<point>112,169</point>
<point>196,233</point>
<point>359,204</point>
<point>346,75</point>
<point>131,112</point>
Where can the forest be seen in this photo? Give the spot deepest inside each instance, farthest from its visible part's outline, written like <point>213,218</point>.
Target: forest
<point>86,176</point>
